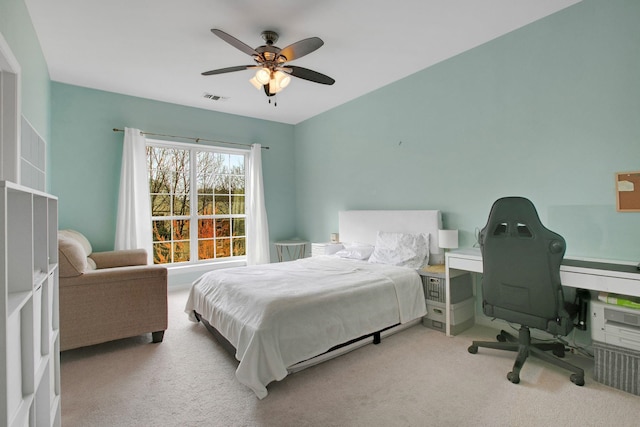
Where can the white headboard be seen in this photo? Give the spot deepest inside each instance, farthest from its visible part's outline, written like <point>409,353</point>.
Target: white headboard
<point>363,226</point>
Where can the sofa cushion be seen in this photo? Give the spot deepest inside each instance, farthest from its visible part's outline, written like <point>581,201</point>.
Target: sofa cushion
<point>79,237</point>
<point>71,257</point>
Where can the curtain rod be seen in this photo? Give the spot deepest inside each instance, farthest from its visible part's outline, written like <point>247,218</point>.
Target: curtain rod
<point>197,140</point>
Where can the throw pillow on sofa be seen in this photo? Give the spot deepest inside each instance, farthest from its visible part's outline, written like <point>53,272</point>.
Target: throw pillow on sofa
<point>71,257</point>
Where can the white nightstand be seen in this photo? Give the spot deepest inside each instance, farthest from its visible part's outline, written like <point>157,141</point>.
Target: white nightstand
<point>318,249</point>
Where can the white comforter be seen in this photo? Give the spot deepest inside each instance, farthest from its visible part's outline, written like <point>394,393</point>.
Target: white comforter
<point>277,315</point>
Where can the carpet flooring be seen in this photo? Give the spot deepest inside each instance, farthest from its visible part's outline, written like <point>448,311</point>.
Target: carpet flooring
<point>417,377</point>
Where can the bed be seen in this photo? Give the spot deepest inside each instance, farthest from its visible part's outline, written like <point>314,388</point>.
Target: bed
<point>282,317</point>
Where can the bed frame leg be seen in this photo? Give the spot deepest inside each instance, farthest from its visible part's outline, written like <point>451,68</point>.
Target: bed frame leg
<point>376,338</point>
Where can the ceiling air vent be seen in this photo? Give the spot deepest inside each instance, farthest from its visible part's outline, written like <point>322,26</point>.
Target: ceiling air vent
<point>215,97</point>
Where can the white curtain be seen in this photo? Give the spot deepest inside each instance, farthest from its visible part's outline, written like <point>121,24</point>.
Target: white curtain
<point>257,225</point>
<point>133,226</point>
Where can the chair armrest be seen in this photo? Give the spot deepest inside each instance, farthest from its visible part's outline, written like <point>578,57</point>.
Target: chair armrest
<point>122,258</point>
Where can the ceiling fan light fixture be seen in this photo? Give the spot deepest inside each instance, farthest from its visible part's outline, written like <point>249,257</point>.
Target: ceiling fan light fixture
<point>255,83</point>
<point>282,79</point>
<point>263,75</point>
<point>272,75</point>
<point>273,87</point>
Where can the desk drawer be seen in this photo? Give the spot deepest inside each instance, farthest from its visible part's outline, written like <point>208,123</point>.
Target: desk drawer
<point>465,264</point>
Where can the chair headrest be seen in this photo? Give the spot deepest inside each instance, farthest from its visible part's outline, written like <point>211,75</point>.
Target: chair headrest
<point>518,217</point>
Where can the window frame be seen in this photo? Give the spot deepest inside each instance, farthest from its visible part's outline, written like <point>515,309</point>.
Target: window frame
<point>194,217</point>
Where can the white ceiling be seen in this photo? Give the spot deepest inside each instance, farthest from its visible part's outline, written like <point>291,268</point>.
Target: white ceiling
<point>157,49</point>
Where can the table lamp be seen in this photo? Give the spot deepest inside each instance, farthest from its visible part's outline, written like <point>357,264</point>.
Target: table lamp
<point>447,239</point>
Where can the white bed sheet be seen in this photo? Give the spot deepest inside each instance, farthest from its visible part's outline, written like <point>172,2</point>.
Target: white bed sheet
<point>277,315</point>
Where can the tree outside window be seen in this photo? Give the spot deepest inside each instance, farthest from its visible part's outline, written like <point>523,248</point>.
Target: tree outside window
<point>201,186</point>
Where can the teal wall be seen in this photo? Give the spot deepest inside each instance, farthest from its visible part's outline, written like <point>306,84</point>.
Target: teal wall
<point>550,112</point>
<point>87,154</point>
<point>18,31</point>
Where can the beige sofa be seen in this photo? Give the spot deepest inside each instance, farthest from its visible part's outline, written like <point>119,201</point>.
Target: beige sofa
<point>106,296</point>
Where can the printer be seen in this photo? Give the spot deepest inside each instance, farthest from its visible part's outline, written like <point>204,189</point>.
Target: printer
<point>615,324</point>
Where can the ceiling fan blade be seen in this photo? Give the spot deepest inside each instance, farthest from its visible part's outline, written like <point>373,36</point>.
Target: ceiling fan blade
<point>301,48</point>
<point>234,42</point>
<point>228,70</point>
<point>313,76</point>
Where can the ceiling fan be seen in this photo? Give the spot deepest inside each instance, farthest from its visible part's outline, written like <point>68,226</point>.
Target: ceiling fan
<point>273,73</point>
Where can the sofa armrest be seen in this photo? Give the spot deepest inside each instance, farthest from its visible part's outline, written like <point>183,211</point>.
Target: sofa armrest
<point>122,258</point>
<point>117,274</point>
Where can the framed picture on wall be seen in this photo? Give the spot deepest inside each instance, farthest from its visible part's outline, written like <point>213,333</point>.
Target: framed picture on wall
<point>628,191</point>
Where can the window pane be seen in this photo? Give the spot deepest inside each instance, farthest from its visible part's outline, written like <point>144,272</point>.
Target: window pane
<point>161,253</point>
<point>237,184</point>
<point>160,205</point>
<point>222,163</point>
<point>222,205</point>
<point>222,184</point>
<point>237,205</point>
<point>161,231</point>
<point>239,247</point>
<point>223,248</point>
<point>223,228</point>
<point>182,179</point>
<point>181,229</point>
<point>179,163</point>
<point>159,177</point>
<point>236,163</point>
<point>238,226</point>
<point>205,228</point>
<point>181,204</point>
<point>206,249</point>
<point>181,251</point>
<point>206,171</point>
<point>205,205</point>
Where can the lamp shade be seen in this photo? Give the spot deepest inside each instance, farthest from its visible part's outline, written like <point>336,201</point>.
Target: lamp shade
<point>263,75</point>
<point>256,83</point>
<point>282,79</point>
<point>448,239</point>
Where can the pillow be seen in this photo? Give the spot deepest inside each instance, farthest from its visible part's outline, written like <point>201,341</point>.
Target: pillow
<point>71,257</point>
<point>79,237</point>
<point>356,251</point>
<point>91,264</point>
<point>402,249</point>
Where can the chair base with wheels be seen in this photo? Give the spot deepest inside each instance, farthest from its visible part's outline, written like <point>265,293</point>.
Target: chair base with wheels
<point>525,348</point>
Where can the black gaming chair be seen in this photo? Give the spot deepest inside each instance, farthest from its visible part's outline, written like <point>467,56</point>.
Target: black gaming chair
<point>521,284</point>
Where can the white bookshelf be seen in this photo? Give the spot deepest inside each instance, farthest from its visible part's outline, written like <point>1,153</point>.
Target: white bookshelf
<point>29,326</point>
<point>33,152</point>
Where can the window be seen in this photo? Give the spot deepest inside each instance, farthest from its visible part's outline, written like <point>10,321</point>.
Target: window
<point>197,202</point>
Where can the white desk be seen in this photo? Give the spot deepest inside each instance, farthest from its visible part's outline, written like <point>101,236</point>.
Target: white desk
<point>620,277</point>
